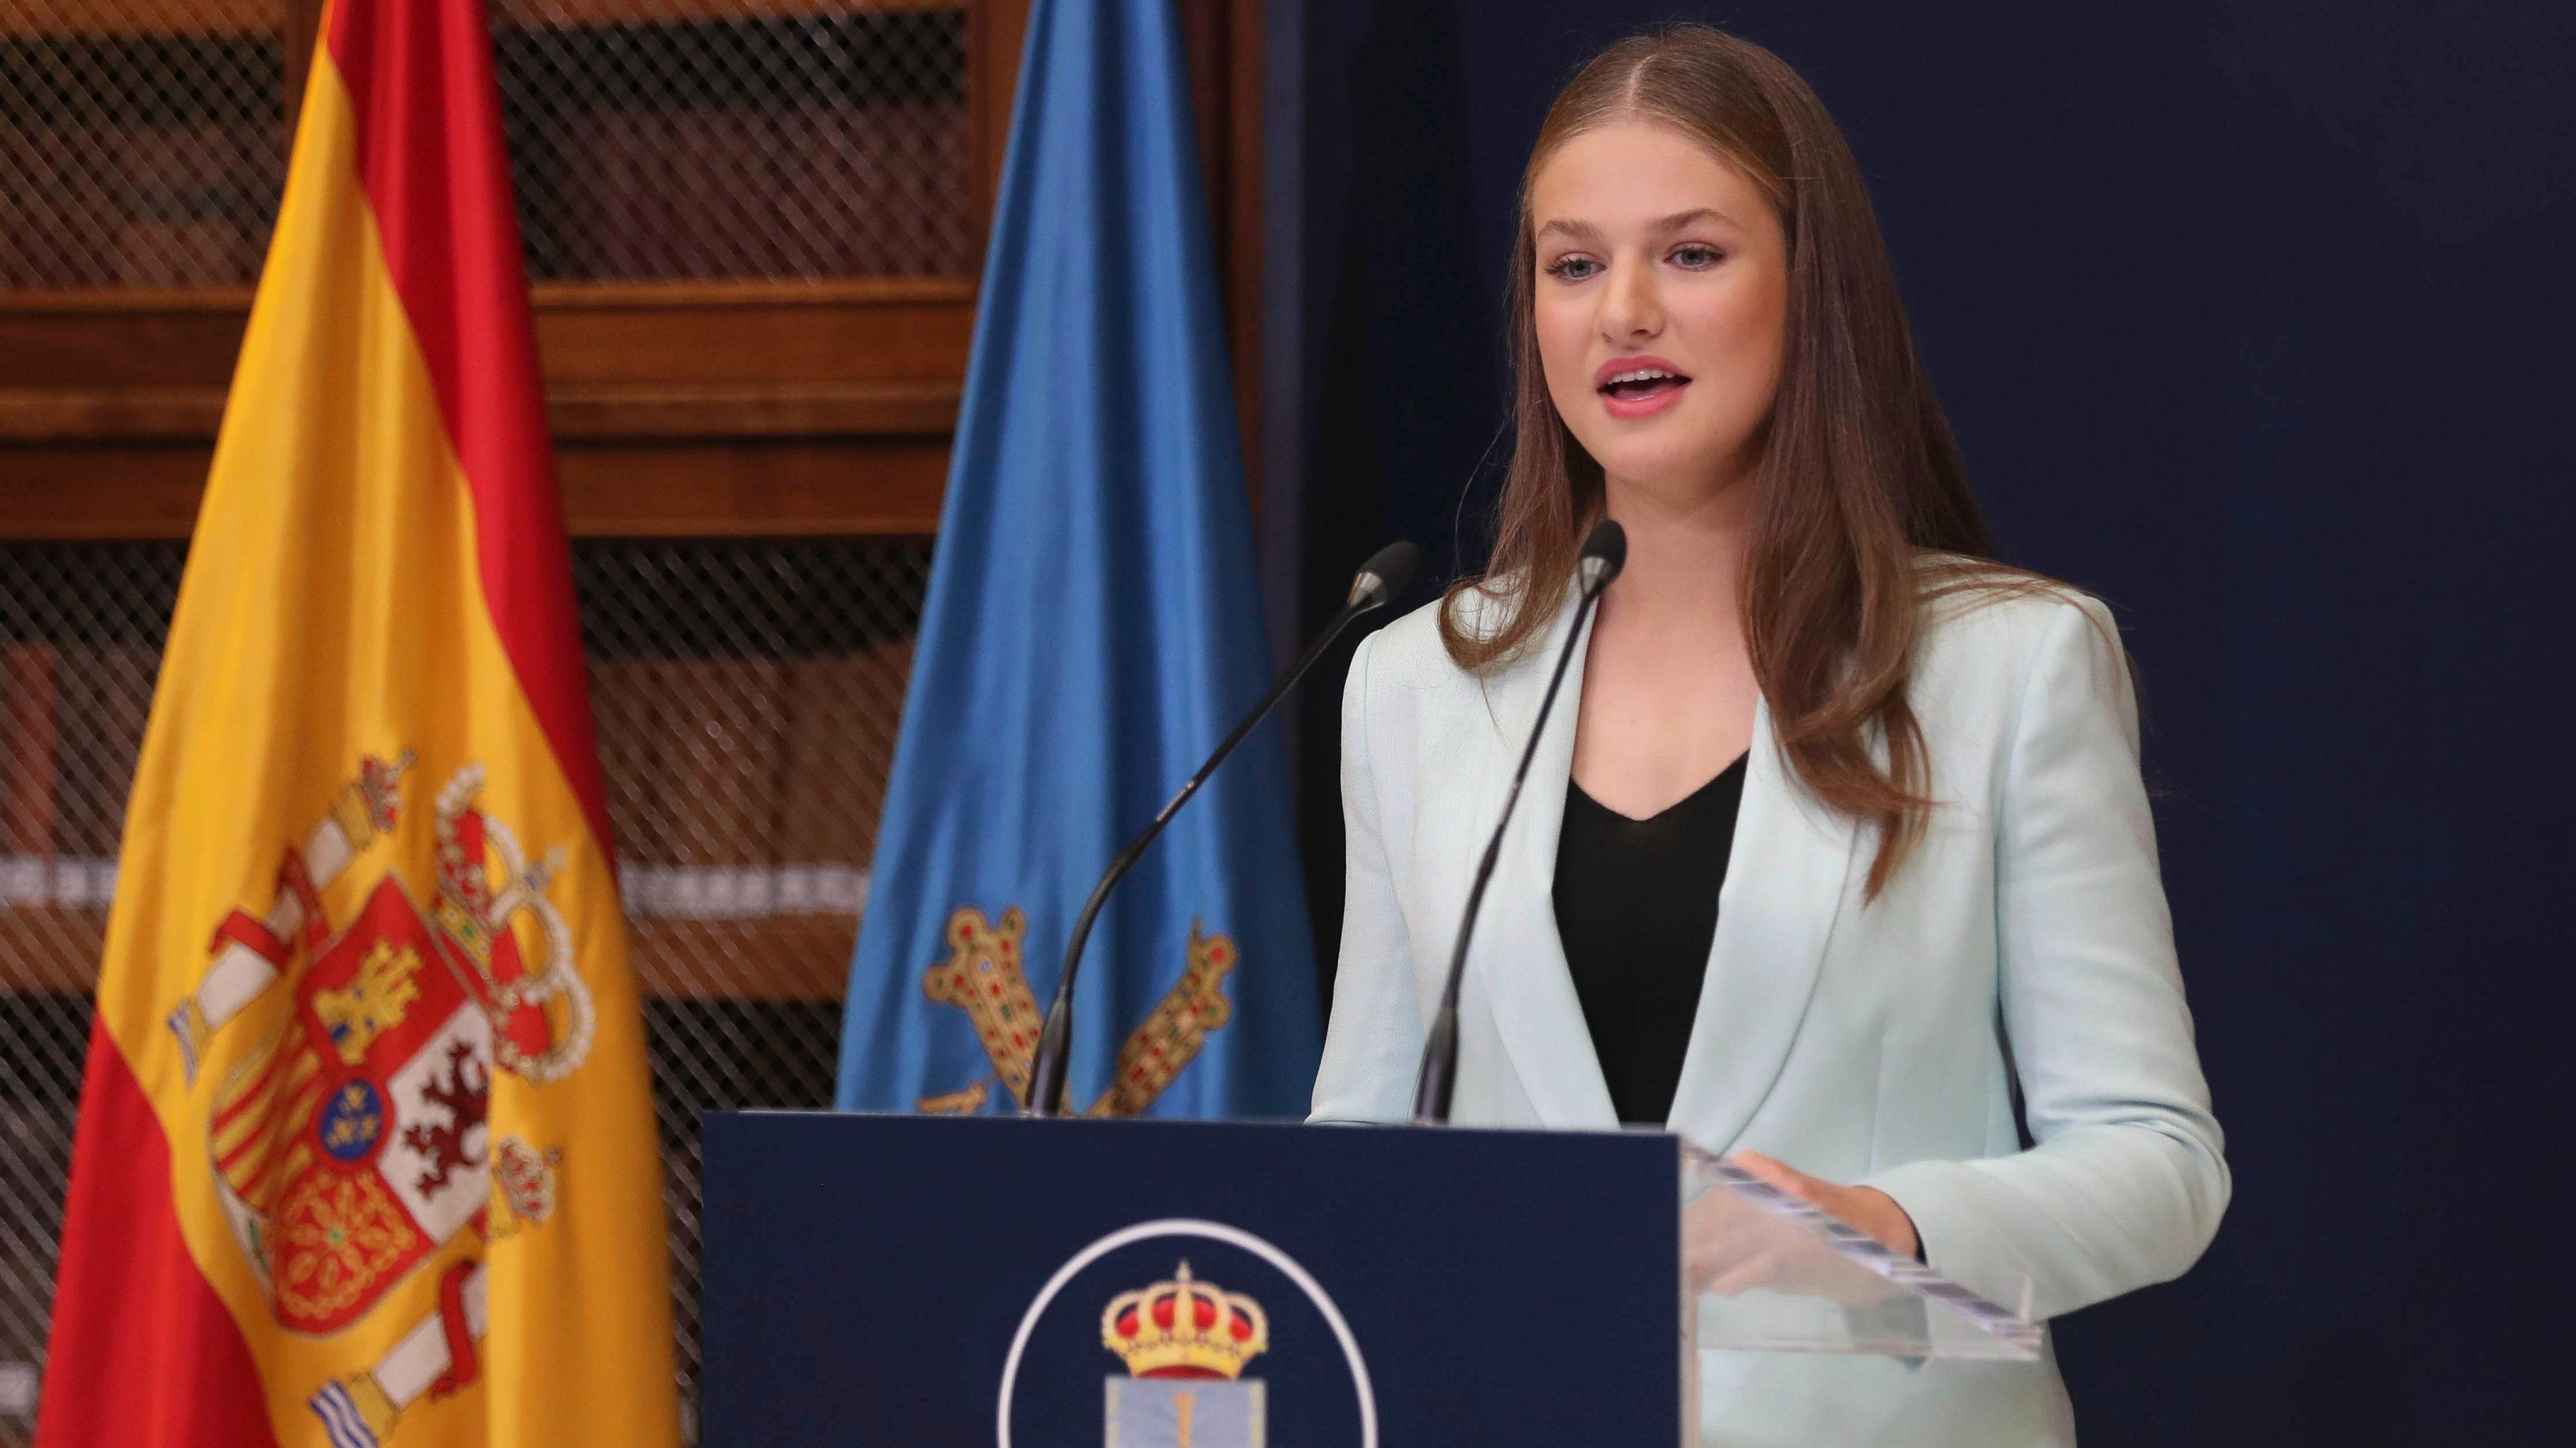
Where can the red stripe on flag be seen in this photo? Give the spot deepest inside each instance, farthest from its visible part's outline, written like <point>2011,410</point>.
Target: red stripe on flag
<point>142,1351</point>
<point>436,172</point>
<point>245,1162</point>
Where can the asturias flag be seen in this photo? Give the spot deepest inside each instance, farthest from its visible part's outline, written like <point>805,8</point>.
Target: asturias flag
<point>1092,630</point>
<point>366,1154</point>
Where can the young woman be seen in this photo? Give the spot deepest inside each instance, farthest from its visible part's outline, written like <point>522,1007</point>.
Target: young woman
<point>1843,864</point>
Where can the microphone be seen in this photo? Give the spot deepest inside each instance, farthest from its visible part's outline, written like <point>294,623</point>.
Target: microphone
<point>1605,552</point>
<point>1376,585</point>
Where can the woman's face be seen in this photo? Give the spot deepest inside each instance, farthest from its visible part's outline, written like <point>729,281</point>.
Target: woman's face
<point>1661,296</point>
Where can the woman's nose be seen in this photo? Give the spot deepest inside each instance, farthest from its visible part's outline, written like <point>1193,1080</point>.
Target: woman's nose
<point>1629,306</point>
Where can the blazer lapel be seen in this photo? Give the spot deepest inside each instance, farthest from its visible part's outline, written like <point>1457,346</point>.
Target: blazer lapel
<point>1784,886</point>
<point>1518,954</point>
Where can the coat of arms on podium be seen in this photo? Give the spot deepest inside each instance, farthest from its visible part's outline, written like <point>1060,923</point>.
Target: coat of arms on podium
<point>1185,1343</point>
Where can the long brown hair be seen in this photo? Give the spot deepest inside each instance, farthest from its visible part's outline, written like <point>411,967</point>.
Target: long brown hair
<point>1864,509</point>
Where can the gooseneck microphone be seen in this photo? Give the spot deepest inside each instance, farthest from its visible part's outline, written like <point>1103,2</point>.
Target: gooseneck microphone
<point>1379,582</point>
<point>1605,552</point>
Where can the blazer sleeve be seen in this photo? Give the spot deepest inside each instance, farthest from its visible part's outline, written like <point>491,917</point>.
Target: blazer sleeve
<point>2126,1182</point>
<point>1374,1041</point>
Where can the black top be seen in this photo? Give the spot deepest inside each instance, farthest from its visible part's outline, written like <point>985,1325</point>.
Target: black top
<point>1636,904</point>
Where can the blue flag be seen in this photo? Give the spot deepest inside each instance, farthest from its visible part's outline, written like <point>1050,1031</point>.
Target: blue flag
<point>1092,631</point>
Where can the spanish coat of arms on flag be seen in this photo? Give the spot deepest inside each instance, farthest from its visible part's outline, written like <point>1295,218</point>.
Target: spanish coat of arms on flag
<point>366,1151</point>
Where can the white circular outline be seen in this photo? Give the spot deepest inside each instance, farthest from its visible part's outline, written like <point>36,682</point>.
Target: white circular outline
<point>1213,1231</point>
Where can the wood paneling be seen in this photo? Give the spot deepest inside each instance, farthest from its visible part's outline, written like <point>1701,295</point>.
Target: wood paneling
<point>730,409</point>
<point>726,410</point>
<point>756,332</point>
<point>46,950</point>
<point>147,340</point>
<point>582,412</point>
<point>752,409</point>
<point>250,17</point>
<point>1223,39</point>
<point>628,12</point>
<point>855,487</point>
<point>793,957</point>
<point>578,411</point>
<point>30,710</point>
<point>995,33</point>
<point>300,26</point>
<point>744,334</point>
<point>878,486</point>
<point>138,17</point>
<point>65,414</point>
<point>109,490</point>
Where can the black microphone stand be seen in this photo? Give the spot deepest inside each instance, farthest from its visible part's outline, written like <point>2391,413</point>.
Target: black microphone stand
<point>1604,553</point>
<point>1380,580</point>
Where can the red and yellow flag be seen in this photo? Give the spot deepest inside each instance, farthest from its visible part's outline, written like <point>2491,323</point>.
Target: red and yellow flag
<point>366,1152</point>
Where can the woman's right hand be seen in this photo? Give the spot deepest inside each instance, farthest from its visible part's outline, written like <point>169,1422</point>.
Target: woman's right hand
<point>1732,1244</point>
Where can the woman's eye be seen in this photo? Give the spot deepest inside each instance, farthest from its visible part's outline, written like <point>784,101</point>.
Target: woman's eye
<point>1697,257</point>
<point>1572,268</point>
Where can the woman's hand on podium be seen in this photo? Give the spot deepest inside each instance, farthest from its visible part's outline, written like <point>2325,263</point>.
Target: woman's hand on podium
<point>1867,1208</point>
<point>1731,1246</point>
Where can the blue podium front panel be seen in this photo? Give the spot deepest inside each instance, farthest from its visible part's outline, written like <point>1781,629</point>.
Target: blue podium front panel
<point>1043,1284</point>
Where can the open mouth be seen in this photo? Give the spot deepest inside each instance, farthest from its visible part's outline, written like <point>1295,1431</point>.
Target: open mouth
<point>1634,388</point>
<point>1643,383</point>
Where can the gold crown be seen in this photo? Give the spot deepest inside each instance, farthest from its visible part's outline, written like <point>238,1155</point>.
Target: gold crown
<point>1185,1328</point>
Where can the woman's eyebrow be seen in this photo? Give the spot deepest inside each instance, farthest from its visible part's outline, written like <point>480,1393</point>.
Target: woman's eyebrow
<point>1681,219</point>
<point>1585,231</point>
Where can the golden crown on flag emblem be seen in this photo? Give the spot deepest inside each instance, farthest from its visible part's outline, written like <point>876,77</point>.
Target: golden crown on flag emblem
<point>1185,1328</point>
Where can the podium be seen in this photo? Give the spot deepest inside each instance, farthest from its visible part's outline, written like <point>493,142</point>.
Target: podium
<point>1146,1284</point>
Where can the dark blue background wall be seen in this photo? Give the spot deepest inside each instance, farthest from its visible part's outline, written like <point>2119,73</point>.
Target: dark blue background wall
<point>2255,320</point>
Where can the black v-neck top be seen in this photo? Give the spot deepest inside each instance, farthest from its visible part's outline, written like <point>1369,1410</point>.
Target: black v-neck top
<point>1636,905</point>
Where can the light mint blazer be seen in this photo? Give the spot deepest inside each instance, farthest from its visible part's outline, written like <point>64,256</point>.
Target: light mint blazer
<point>2024,944</point>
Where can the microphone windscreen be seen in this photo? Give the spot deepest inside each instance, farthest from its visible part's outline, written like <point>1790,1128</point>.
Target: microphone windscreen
<point>1387,574</point>
<point>1605,552</point>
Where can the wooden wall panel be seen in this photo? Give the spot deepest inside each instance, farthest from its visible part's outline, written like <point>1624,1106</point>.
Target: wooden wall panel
<point>731,409</point>
<point>879,487</point>
<point>75,341</point>
<point>1223,38</point>
<point>862,487</point>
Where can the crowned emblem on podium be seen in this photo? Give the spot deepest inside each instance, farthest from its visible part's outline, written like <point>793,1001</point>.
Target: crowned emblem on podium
<point>1185,1343</point>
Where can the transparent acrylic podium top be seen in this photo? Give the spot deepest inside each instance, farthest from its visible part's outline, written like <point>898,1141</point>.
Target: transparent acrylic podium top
<point>1763,1271</point>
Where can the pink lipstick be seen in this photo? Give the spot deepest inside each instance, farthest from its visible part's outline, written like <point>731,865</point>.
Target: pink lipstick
<point>1638,386</point>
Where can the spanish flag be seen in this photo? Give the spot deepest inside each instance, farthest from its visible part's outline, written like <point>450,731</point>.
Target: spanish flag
<point>366,1153</point>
